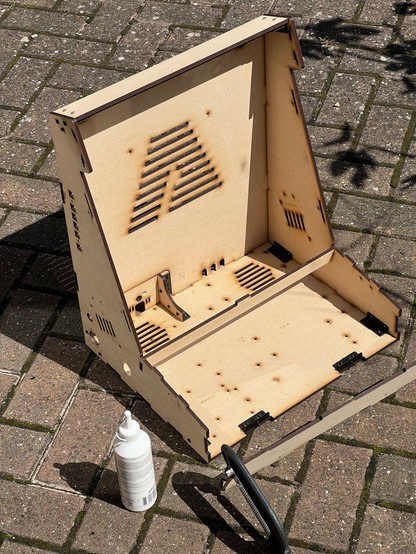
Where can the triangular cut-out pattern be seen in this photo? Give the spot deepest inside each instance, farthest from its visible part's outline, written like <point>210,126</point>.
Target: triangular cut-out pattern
<point>177,170</point>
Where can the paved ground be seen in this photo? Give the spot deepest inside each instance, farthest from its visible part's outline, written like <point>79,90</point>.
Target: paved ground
<point>352,490</point>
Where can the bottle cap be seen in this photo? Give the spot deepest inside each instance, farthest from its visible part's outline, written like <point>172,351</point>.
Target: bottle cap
<point>129,429</point>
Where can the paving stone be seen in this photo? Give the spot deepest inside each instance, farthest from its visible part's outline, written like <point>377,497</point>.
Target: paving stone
<point>119,13</point>
<point>79,6</point>
<point>380,12</point>
<point>270,432</point>
<point>21,325</point>
<point>12,547</point>
<point>37,513</point>
<point>6,383</point>
<point>104,377</point>
<point>21,450</point>
<point>13,260</point>
<point>68,321</point>
<point>356,245</point>
<point>52,272</point>
<point>82,442</point>
<point>365,374</point>
<point>47,387</point>
<point>346,99</point>
<point>85,78</point>
<point>6,119</point>
<point>387,531</point>
<point>395,480</point>
<point>408,30</point>
<point>69,49</point>
<point>364,61</point>
<point>383,425</point>
<point>395,254</point>
<point>313,76</point>
<point>16,156</point>
<point>108,526</point>
<point>319,9</point>
<point>34,125</point>
<point>240,12</point>
<point>49,167</point>
<point>399,89</point>
<point>375,216</point>
<point>37,3</point>
<point>228,542</point>
<point>11,42</point>
<point>38,20</point>
<point>180,39</point>
<point>140,44</point>
<point>337,31</point>
<point>23,80</point>
<point>384,132</point>
<point>407,186</point>
<point>180,536</point>
<point>175,14</point>
<point>330,141</point>
<point>193,491</point>
<point>346,176</point>
<point>308,106</point>
<point>35,231</point>
<point>25,193</point>
<point>408,393</point>
<point>163,436</point>
<point>330,495</point>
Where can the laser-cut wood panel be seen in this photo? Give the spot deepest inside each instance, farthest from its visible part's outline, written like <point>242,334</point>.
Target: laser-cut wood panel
<point>205,262</point>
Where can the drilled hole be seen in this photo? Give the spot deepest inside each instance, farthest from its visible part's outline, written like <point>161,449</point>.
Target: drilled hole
<point>328,321</point>
<point>89,317</point>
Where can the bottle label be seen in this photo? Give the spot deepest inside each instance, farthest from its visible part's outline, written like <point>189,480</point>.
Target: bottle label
<point>137,481</point>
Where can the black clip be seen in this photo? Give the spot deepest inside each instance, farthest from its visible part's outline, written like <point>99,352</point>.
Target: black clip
<point>280,252</point>
<point>348,361</point>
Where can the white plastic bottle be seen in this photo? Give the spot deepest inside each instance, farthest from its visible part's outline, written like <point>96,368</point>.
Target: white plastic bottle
<point>134,461</point>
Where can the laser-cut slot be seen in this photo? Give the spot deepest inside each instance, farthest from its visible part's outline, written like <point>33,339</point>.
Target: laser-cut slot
<point>194,178</point>
<point>145,214</point>
<point>169,142</point>
<point>194,188</point>
<point>148,202</point>
<point>195,168</point>
<point>169,132</point>
<point>171,161</point>
<point>194,197</point>
<point>154,179</point>
<point>142,224</point>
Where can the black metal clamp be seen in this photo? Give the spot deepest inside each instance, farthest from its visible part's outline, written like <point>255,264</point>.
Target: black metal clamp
<point>262,510</point>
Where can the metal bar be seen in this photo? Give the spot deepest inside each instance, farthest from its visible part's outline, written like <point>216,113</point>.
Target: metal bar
<point>329,419</point>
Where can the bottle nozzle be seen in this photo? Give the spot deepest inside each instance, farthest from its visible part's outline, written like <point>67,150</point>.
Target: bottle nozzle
<point>129,428</point>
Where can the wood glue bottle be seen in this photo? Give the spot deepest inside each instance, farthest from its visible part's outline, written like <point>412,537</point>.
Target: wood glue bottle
<point>134,461</point>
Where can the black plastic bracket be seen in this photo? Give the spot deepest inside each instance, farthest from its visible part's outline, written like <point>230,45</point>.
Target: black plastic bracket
<point>261,508</point>
<point>254,421</point>
<point>348,361</point>
<point>374,324</point>
<point>280,252</point>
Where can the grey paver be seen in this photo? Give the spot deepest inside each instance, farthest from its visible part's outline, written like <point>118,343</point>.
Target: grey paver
<point>13,261</point>
<point>183,39</point>
<point>6,383</point>
<point>47,386</point>
<point>51,272</point>
<point>34,124</point>
<point>383,135</point>
<point>21,325</point>
<point>68,321</point>
<point>240,12</point>
<point>383,425</point>
<point>35,231</point>
<point>38,20</point>
<point>84,77</point>
<point>365,374</point>
<point>104,377</point>
<point>119,13</point>
<point>36,512</point>
<point>21,450</point>
<point>379,12</point>
<point>407,186</point>
<point>82,442</point>
<point>387,531</point>
<point>69,49</point>
<point>346,99</point>
<point>176,534</point>
<point>356,245</point>
<point>17,156</point>
<point>375,216</point>
<point>176,14</point>
<point>11,43</point>
<point>24,193</point>
<point>12,547</point>
<point>136,49</point>
<point>394,481</point>
<point>23,80</point>
<point>329,498</point>
<point>6,119</point>
<point>396,254</point>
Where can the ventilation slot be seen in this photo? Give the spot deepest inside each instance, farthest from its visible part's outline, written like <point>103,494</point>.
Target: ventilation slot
<point>105,325</point>
<point>151,336</point>
<point>254,276</point>
<point>295,219</point>
<point>75,220</point>
<point>174,159</point>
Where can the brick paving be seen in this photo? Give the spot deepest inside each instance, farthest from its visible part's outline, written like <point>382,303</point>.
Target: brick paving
<point>351,490</point>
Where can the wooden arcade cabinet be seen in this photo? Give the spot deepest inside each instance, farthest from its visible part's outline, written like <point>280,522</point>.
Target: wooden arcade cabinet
<point>206,267</point>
